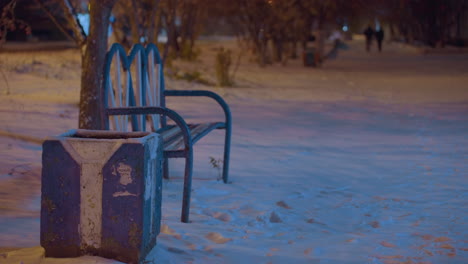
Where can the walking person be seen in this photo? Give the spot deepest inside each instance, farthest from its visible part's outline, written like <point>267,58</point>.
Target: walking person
<point>379,35</point>
<point>369,33</point>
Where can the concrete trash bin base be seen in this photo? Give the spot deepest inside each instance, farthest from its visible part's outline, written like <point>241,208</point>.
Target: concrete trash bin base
<point>101,194</point>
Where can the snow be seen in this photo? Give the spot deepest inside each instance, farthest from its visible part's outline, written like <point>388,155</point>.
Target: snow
<point>361,161</point>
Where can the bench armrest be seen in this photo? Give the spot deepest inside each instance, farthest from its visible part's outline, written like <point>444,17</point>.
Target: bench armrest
<point>147,110</point>
<point>204,93</point>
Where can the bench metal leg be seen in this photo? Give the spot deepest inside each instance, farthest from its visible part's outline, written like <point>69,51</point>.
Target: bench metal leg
<point>187,186</point>
<point>166,168</point>
<point>227,149</point>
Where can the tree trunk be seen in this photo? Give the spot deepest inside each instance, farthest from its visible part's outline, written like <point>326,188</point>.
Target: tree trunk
<point>92,67</point>
<point>293,54</point>
<point>278,49</point>
<point>320,48</point>
<point>171,29</point>
<point>261,50</point>
<point>392,31</point>
<point>154,22</point>
<point>135,23</point>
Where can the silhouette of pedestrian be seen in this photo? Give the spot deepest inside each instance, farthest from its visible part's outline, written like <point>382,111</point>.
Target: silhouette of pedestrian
<point>369,33</point>
<point>379,35</point>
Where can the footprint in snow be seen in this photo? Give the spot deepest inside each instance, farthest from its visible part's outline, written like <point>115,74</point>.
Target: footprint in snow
<point>274,218</point>
<point>217,238</point>
<point>374,224</point>
<point>218,215</point>
<point>248,210</point>
<point>165,229</point>
<point>283,204</point>
<point>313,221</point>
<point>387,244</point>
<point>176,250</point>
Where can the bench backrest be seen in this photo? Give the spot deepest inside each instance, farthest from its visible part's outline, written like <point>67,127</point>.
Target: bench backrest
<point>133,80</point>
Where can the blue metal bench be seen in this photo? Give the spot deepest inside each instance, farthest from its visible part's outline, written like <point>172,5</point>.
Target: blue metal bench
<point>134,100</point>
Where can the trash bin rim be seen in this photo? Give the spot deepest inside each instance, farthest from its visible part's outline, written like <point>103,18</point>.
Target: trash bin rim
<point>92,135</point>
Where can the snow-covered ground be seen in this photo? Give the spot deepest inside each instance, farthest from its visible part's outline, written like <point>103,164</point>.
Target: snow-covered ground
<point>362,161</point>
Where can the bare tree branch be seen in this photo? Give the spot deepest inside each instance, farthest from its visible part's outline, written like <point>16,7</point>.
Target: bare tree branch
<point>57,23</point>
<point>76,26</point>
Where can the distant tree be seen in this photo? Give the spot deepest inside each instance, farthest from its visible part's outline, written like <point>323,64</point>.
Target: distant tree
<point>252,19</point>
<point>426,21</point>
<point>9,22</point>
<point>136,21</point>
<point>193,14</point>
<point>283,24</point>
<point>284,15</point>
<point>142,22</point>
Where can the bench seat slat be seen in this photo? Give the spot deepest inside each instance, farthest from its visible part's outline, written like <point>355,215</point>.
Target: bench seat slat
<point>171,134</point>
<point>202,129</point>
<point>173,139</point>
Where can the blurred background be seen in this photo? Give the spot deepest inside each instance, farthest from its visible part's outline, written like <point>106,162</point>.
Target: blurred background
<point>272,30</point>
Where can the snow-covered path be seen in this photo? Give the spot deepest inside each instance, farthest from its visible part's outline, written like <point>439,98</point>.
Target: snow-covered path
<point>349,183</point>
<point>363,161</point>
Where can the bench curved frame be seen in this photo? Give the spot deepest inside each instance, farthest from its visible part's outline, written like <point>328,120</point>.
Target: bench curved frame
<point>138,109</point>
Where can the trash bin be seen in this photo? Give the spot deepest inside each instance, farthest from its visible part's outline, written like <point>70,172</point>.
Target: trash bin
<point>308,57</point>
<point>101,194</point>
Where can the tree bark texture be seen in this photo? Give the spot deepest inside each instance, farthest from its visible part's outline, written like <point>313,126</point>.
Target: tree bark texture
<point>90,116</point>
